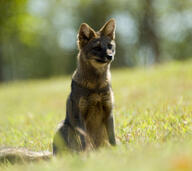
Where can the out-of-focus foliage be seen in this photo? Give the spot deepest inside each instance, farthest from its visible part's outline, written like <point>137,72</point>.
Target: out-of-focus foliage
<point>38,37</point>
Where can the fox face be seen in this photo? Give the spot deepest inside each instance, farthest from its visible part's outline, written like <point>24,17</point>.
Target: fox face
<point>97,48</point>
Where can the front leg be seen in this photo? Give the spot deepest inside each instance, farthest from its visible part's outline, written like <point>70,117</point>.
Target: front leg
<point>80,129</point>
<point>110,129</point>
<point>76,121</point>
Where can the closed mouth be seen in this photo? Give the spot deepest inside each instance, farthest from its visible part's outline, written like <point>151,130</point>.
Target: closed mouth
<point>101,61</point>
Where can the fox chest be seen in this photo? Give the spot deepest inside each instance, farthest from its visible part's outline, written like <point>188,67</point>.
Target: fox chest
<point>96,107</point>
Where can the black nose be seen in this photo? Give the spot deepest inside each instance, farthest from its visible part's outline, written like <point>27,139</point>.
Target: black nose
<point>109,57</point>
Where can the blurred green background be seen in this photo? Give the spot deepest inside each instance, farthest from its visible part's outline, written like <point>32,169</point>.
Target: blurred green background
<point>38,37</point>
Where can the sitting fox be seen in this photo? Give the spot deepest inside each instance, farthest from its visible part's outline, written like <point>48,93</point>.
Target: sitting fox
<point>89,122</point>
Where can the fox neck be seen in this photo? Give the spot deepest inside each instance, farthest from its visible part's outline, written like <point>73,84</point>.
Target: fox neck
<point>90,76</point>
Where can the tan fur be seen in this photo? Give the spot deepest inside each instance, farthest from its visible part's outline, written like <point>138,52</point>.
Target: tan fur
<point>91,74</point>
<point>89,121</point>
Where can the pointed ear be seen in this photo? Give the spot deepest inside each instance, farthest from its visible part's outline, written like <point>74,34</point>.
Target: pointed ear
<point>85,34</point>
<point>109,29</point>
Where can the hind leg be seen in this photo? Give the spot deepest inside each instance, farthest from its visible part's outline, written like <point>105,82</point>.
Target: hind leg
<point>60,139</point>
<point>65,139</point>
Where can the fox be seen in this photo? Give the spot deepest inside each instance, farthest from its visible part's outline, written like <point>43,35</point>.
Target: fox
<point>89,120</point>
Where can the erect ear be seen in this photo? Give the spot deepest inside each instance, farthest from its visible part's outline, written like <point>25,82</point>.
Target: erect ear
<point>85,34</point>
<point>109,29</point>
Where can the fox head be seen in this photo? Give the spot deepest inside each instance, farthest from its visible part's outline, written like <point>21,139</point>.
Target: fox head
<point>97,47</point>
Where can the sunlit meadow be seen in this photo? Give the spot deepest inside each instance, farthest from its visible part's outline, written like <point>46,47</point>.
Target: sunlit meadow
<point>153,114</point>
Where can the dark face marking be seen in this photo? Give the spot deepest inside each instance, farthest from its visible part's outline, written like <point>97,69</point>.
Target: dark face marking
<point>101,49</point>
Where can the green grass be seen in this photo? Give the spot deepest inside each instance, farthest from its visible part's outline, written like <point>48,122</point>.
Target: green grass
<point>153,114</point>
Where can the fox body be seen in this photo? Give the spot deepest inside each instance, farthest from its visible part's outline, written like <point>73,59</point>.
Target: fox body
<point>89,119</point>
